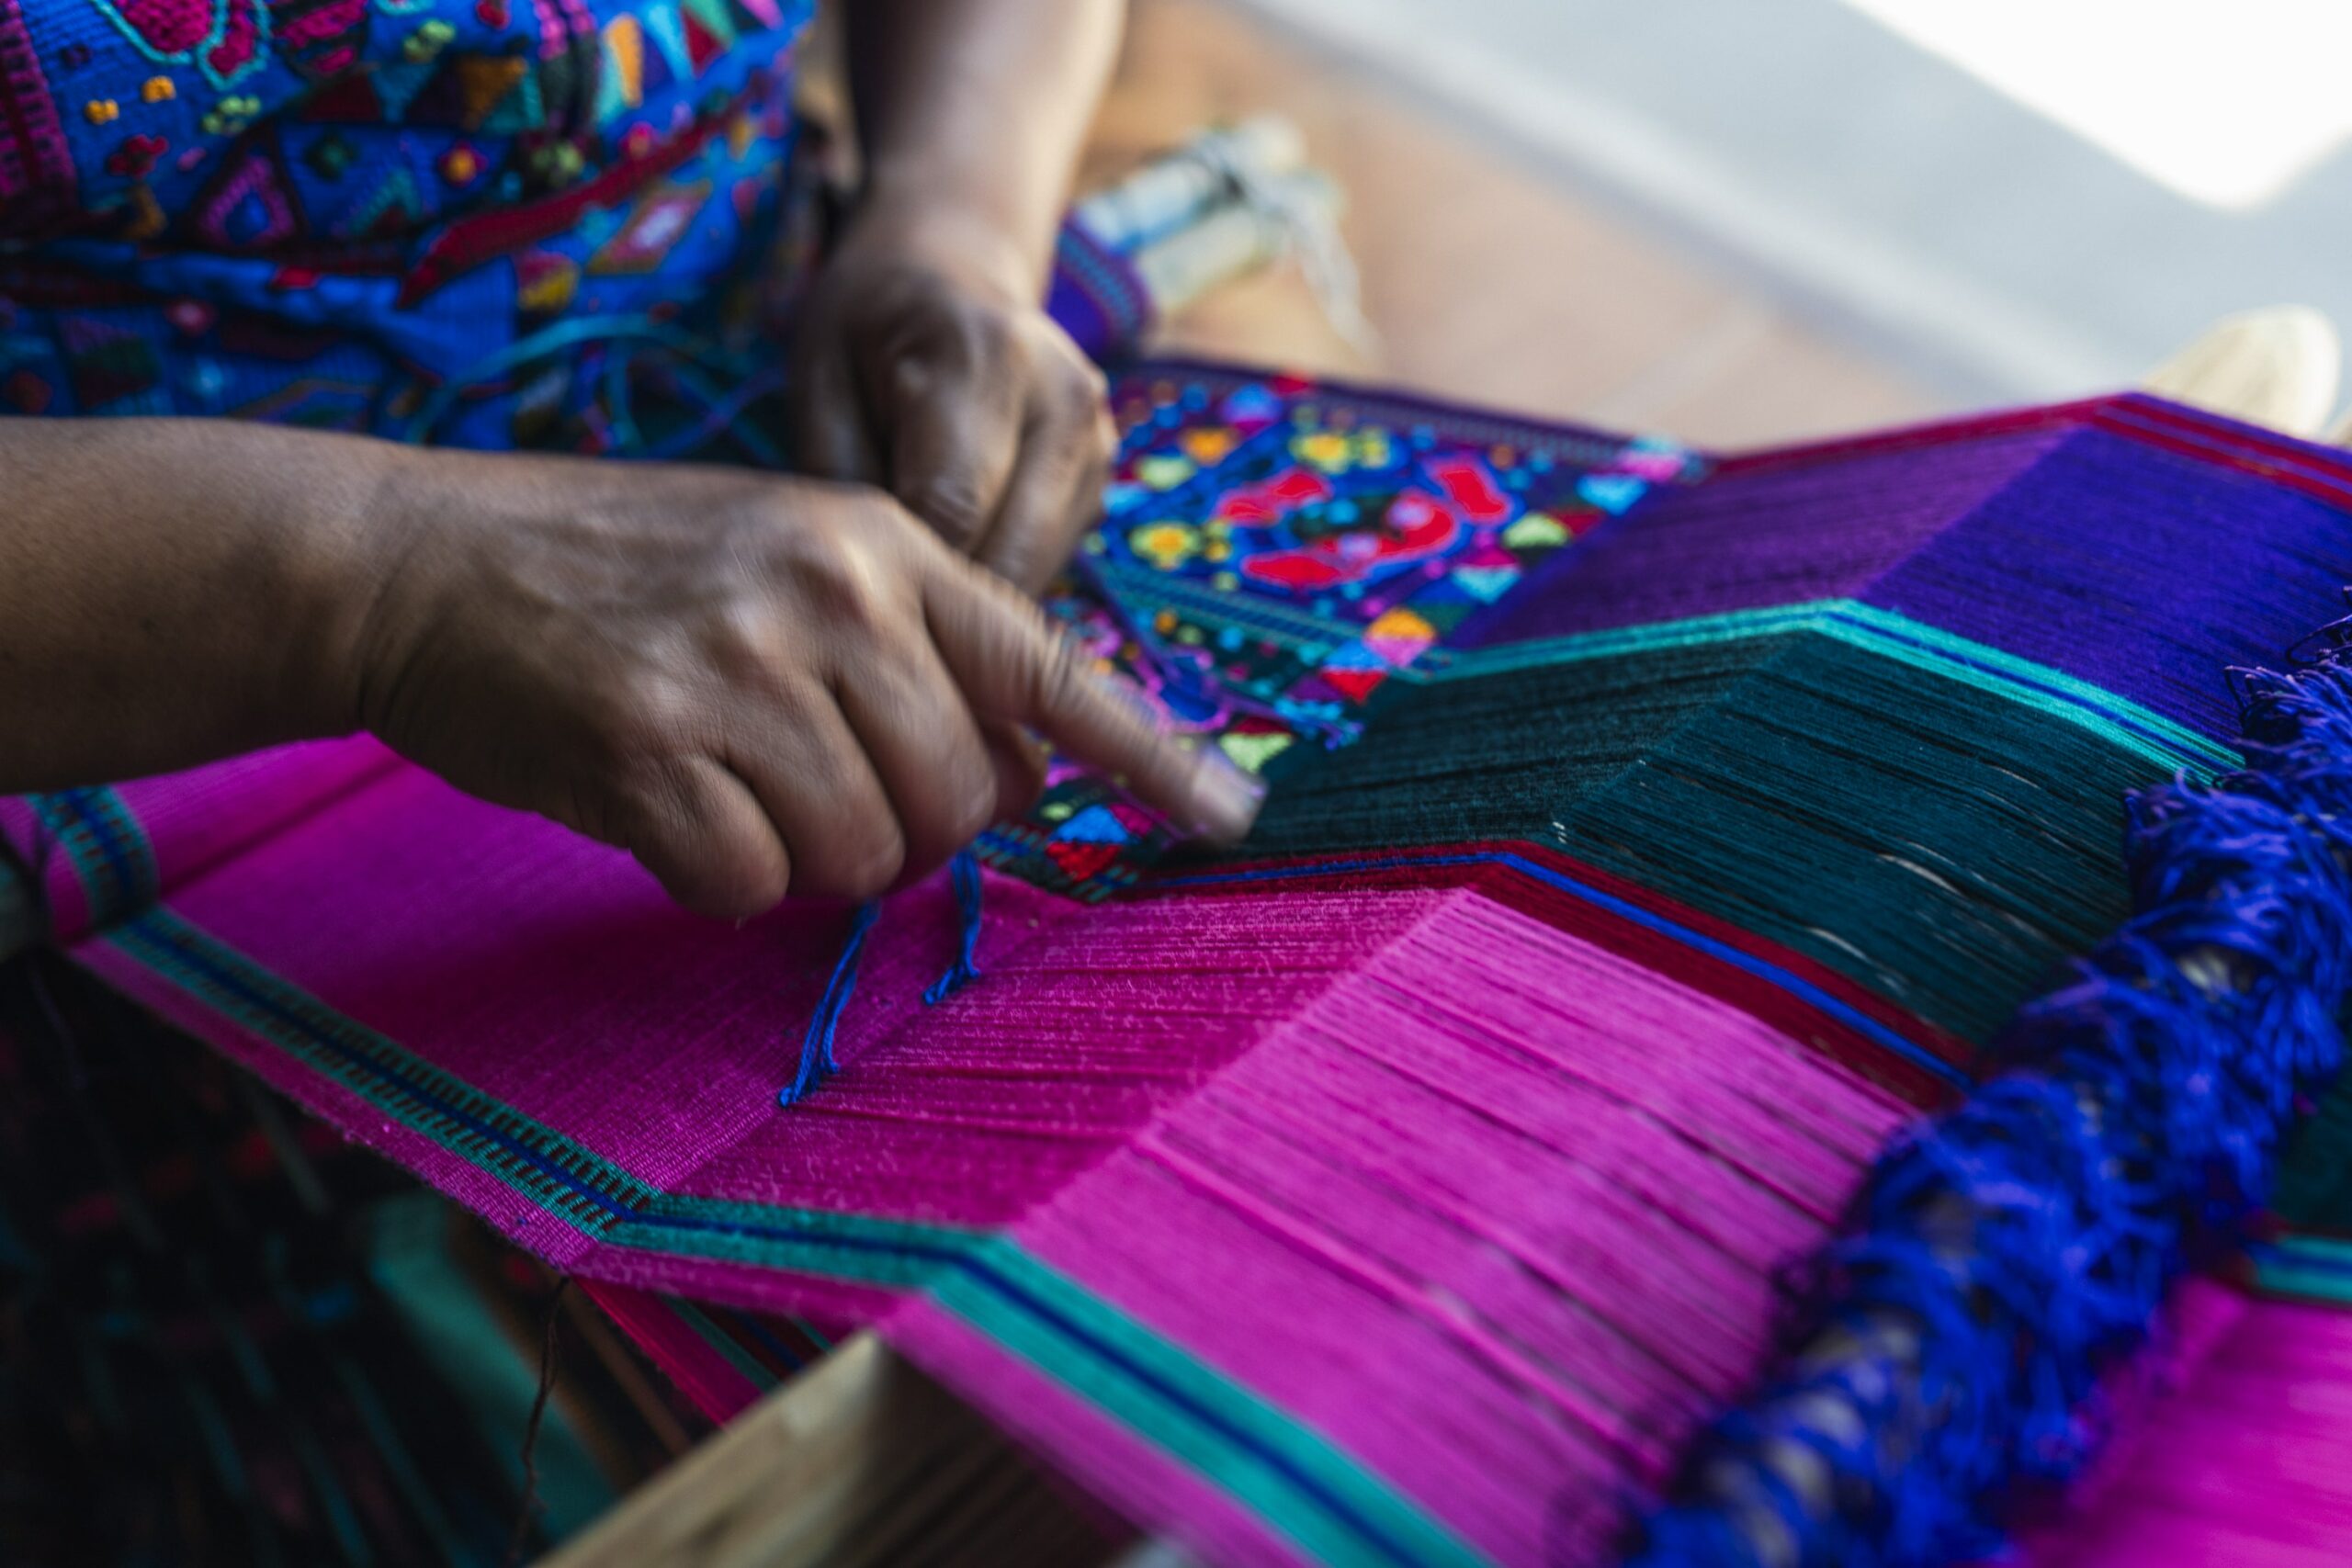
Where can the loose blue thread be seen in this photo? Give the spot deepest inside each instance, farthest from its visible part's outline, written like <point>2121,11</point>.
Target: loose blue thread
<point>965,870</point>
<point>817,1046</point>
<point>2006,1256</point>
<point>817,1060</point>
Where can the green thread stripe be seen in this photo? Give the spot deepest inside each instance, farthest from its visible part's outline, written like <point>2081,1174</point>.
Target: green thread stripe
<point>110,851</point>
<point>560,1175</point>
<point>2118,720</point>
<point>1289,1476</point>
<point>2310,1266</point>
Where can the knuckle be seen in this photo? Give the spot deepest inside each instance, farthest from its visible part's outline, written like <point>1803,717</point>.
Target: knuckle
<point>1055,676</point>
<point>638,718</point>
<point>914,373</point>
<point>842,582</point>
<point>1084,384</point>
<point>950,503</point>
<point>742,642</point>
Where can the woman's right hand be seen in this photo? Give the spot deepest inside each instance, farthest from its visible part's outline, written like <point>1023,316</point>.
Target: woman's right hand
<point>755,685</point>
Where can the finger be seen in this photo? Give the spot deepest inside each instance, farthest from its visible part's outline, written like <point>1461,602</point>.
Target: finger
<point>1019,764</point>
<point>1013,669</point>
<point>954,423</point>
<point>705,836</point>
<point>927,751</point>
<point>1055,494</point>
<point>816,783</point>
<point>829,438</point>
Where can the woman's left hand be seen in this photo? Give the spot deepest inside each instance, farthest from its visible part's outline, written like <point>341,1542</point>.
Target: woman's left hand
<point>923,363</point>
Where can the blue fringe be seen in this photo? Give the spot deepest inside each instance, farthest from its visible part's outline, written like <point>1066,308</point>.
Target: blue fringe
<point>966,869</point>
<point>2007,1255</point>
<point>817,1046</point>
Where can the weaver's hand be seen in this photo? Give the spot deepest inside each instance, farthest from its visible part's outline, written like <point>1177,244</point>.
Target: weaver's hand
<point>923,363</point>
<point>753,685</point>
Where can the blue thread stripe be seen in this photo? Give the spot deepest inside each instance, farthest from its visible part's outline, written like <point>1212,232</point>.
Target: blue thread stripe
<point>1763,969</point>
<point>751,1325</point>
<point>2302,1260</point>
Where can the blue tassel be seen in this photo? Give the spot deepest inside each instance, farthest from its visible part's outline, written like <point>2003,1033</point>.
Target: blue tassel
<point>817,1046</point>
<point>964,971</point>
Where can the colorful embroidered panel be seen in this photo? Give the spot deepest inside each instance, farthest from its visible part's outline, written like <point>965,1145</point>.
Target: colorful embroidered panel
<point>1405,1185</point>
<point>1273,553</point>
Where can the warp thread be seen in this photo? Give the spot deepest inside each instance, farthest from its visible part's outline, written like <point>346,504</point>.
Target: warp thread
<point>2008,1257</point>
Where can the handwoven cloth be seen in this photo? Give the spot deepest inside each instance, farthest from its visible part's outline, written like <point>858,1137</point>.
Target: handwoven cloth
<point>1650,837</point>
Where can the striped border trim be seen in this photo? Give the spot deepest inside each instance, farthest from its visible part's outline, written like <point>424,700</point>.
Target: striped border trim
<point>559,1175</point>
<point>2323,473</point>
<point>110,851</point>
<point>2124,723</point>
<point>2305,1268</point>
<point>1294,1479</point>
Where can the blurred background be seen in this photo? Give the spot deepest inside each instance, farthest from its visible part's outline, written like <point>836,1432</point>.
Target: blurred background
<point>1739,222</point>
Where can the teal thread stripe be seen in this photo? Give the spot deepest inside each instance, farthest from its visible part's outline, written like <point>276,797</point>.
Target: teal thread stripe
<point>557,1173</point>
<point>2309,1267</point>
<point>864,1249</point>
<point>2118,720</point>
<point>107,847</point>
<point>1249,1448</point>
<point>722,1344</point>
<point>1283,1473</point>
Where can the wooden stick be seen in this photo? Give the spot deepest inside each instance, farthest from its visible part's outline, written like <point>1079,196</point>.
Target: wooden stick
<point>860,1460</point>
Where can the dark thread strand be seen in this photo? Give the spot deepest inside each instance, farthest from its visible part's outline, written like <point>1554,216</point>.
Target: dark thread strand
<point>526,1509</point>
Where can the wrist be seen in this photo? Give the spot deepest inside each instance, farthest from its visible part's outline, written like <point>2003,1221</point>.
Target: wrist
<point>916,212</point>
<point>340,554</point>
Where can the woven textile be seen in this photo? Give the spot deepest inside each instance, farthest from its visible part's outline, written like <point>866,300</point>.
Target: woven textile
<point>1651,837</point>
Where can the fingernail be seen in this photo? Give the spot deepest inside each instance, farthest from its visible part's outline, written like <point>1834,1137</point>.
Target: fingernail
<point>1225,798</point>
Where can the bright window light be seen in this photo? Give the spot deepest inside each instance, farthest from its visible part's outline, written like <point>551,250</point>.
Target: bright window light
<point>2227,102</point>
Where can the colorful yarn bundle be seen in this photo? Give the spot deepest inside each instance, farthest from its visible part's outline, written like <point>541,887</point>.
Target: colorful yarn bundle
<point>1650,840</point>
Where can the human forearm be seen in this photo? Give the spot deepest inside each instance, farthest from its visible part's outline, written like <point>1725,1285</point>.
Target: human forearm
<point>973,111</point>
<point>755,683</point>
<point>173,590</point>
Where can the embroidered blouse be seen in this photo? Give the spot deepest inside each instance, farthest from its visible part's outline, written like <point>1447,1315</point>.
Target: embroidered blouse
<point>495,223</point>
